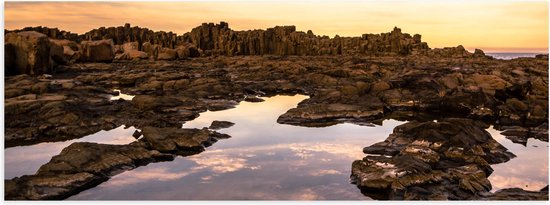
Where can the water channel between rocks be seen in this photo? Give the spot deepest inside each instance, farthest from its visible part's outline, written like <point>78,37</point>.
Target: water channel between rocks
<point>264,160</point>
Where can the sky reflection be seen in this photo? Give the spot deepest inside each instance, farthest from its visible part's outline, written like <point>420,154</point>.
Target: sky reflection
<point>529,170</point>
<point>263,160</point>
<point>25,160</point>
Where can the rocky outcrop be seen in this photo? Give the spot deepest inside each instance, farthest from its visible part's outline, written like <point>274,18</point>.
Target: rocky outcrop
<point>129,51</point>
<point>216,125</point>
<point>28,53</point>
<point>219,40</point>
<point>98,51</point>
<point>71,50</point>
<point>167,54</point>
<point>54,33</point>
<point>124,34</point>
<point>447,159</point>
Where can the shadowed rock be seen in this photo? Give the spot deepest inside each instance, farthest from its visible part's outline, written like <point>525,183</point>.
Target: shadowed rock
<point>216,125</point>
<point>29,53</point>
<point>83,165</point>
<point>447,159</point>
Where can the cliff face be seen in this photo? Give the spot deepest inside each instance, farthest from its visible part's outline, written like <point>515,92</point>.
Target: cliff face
<point>219,39</point>
<point>124,34</point>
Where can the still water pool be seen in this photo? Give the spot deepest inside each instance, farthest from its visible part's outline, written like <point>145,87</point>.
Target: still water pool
<point>265,160</point>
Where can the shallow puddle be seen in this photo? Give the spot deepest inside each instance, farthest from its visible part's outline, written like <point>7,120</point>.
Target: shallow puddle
<point>121,96</point>
<point>25,160</point>
<point>529,170</point>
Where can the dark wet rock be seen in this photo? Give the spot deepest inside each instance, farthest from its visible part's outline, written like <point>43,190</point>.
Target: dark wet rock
<point>184,141</point>
<point>520,135</point>
<point>311,115</point>
<point>216,105</point>
<point>313,112</point>
<point>516,194</point>
<point>148,102</point>
<point>136,134</point>
<point>249,98</point>
<point>83,165</point>
<point>216,125</point>
<point>78,167</point>
<point>447,159</point>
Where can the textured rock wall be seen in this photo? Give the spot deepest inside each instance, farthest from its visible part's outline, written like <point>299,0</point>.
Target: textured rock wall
<point>219,39</point>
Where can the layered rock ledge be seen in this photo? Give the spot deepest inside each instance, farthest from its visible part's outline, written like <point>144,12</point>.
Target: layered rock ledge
<point>445,160</point>
<point>83,165</point>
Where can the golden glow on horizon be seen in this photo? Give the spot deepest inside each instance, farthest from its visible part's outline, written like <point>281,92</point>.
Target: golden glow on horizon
<point>491,26</point>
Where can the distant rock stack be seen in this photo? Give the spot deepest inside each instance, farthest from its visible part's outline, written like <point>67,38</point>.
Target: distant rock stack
<point>219,39</point>
<point>209,39</point>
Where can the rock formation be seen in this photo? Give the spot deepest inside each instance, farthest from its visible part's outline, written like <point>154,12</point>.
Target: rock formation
<point>27,52</point>
<point>447,159</point>
<point>98,51</point>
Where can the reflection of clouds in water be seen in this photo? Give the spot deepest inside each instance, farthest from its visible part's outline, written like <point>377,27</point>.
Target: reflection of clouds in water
<point>219,163</point>
<point>325,172</point>
<point>262,160</point>
<point>158,174</point>
<point>306,194</point>
<point>304,150</point>
<point>24,160</point>
<point>502,182</point>
<point>530,167</point>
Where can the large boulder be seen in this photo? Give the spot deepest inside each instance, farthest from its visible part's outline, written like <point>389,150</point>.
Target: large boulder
<point>28,53</point>
<point>130,46</point>
<point>57,55</point>
<point>98,51</point>
<point>445,159</point>
<point>187,50</point>
<point>131,55</point>
<point>71,50</point>
<point>151,49</point>
<point>167,54</point>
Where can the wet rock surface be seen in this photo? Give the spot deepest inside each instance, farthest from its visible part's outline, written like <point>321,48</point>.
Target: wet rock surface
<point>445,160</point>
<point>83,165</point>
<point>216,125</point>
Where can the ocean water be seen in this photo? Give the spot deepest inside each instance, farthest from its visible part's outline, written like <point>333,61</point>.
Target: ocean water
<point>509,56</point>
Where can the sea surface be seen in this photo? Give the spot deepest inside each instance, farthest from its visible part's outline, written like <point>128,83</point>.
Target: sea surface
<point>264,160</point>
<point>509,56</point>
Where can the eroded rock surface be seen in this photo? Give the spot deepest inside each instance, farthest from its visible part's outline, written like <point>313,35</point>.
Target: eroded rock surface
<point>447,159</point>
<point>83,165</point>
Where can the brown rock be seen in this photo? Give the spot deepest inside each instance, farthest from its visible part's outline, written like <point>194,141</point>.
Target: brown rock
<point>167,54</point>
<point>98,51</point>
<point>28,53</point>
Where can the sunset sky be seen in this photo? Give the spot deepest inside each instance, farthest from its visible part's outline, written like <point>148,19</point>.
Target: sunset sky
<point>520,26</point>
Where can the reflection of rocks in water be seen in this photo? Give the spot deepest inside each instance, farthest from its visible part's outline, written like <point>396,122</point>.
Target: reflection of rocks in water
<point>520,135</point>
<point>448,159</point>
<point>216,125</point>
<point>83,165</point>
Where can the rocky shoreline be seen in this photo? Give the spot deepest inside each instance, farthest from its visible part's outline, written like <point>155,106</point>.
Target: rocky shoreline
<point>64,95</point>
